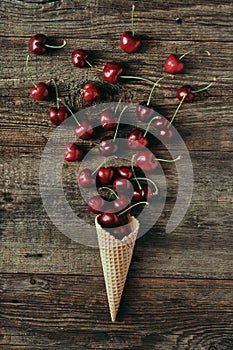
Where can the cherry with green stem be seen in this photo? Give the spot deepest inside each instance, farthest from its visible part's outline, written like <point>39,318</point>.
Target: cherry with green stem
<point>146,160</point>
<point>173,64</point>
<point>79,58</point>
<point>129,42</point>
<point>39,44</point>
<point>40,91</point>
<point>107,145</point>
<point>58,114</point>
<point>145,110</point>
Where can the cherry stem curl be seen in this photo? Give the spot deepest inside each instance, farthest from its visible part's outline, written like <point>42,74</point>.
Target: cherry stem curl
<point>133,171</point>
<point>109,189</point>
<point>149,124</point>
<point>56,47</point>
<point>132,206</point>
<point>177,109</point>
<point>149,180</point>
<point>118,123</point>
<point>132,19</point>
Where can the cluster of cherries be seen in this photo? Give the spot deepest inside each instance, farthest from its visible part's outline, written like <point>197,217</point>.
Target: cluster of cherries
<point>120,179</point>
<point>128,191</point>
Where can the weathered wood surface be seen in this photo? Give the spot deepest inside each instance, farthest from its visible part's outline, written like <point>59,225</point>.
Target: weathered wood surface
<point>179,291</point>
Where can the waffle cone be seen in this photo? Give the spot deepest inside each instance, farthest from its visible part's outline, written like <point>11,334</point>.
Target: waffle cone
<point>116,257</point>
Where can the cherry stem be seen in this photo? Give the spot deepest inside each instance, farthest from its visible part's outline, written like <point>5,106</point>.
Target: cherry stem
<point>177,109</point>
<point>132,18</point>
<point>168,160</point>
<point>204,88</point>
<point>133,171</point>
<point>56,92</point>
<point>117,106</point>
<point>137,78</point>
<point>28,72</point>
<point>132,206</point>
<point>100,165</point>
<point>185,54</point>
<point>56,47</point>
<point>72,114</point>
<point>118,123</point>
<point>89,64</point>
<point>149,124</point>
<point>109,189</point>
<point>152,90</point>
<point>149,180</point>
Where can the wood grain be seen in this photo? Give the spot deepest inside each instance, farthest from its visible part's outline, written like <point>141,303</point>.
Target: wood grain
<point>179,290</point>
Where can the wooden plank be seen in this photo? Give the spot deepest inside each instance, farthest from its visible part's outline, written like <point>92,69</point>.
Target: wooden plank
<point>155,20</point>
<point>67,312</point>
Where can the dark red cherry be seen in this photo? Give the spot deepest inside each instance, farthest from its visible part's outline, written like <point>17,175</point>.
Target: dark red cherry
<point>144,111</point>
<point>84,131</point>
<point>129,42</point>
<point>90,92</point>
<point>95,204</point>
<point>106,175</point>
<point>86,179</point>
<point>185,90</point>
<point>112,72</point>
<point>121,203</point>
<point>120,231</point>
<point>108,119</point>
<point>107,146</point>
<point>167,134</point>
<point>40,92</point>
<point>73,152</point>
<point>143,194</point>
<point>121,185</point>
<point>146,161</point>
<point>108,219</point>
<point>136,140</point>
<point>160,123</point>
<point>173,65</point>
<point>37,44</point>
<point>58,115</point>
<point>125,172</point>
<point>79,58</point>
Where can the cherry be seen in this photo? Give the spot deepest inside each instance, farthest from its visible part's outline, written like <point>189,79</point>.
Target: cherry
<point>84,130</point>
<point>125,172</point>
<point>40,91</point>
<point>166,134</point>
<point>129,42</point>
<point>142,194</point>
<point>109,219</point>
<point>86,178</point>
<point>136,140</point>
<point>121,202</point>
<point>121,231</point>
<point>58,115</point>
<point>90,92</point>
<point>145,111</point>
<point>107,146</point>
<point>38,44</point>
<point>121,185</point>
<point>73,152</point>
<point>185,93</point>
<point>112,72</point>
<point>160,122</point>
<point>79,58</point>
<point>95,204</point>
<point>173,65</point>
<point>106,175</point>
<point>108,119</point>
<point>146,161</point>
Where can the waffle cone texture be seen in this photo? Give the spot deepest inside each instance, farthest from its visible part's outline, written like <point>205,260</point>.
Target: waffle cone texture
<point>116,257</point>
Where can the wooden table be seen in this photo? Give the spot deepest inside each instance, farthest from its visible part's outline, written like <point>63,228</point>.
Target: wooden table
<point>179,292</point>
